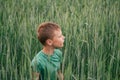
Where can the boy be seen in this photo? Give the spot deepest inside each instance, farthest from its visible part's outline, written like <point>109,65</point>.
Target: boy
<point>46,64</point>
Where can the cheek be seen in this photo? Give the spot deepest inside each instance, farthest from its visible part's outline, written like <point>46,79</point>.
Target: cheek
<point>57,41</point>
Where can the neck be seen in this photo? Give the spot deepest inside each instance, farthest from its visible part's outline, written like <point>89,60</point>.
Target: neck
<point>48,50</point>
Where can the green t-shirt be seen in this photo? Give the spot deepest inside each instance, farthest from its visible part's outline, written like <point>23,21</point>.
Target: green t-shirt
<point>46,65</point>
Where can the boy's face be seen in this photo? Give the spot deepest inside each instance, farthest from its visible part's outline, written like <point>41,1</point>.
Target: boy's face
<point>58,39</point>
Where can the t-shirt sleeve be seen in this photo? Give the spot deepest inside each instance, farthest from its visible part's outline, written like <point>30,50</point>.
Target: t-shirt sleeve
<point>59,54</point>
<point>35,65</point>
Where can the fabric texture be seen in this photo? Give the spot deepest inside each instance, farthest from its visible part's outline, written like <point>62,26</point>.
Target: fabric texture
<point>47,65</point>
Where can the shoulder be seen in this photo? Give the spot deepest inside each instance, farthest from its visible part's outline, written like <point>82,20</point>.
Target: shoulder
<point>36,59</point>
<point>58,55</point>
<point>58,52</point>
<point>36,63</point>
<point>38,55</point>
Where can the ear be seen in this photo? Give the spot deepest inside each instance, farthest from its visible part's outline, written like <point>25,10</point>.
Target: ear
<point>49,42</point>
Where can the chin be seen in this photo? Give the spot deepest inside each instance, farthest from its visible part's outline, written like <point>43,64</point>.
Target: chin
<point>59,46</point>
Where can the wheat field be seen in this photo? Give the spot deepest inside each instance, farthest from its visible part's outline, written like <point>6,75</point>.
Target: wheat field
<point>92,37</point>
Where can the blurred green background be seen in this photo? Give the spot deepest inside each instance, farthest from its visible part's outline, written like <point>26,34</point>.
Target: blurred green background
<point>91,27</point>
